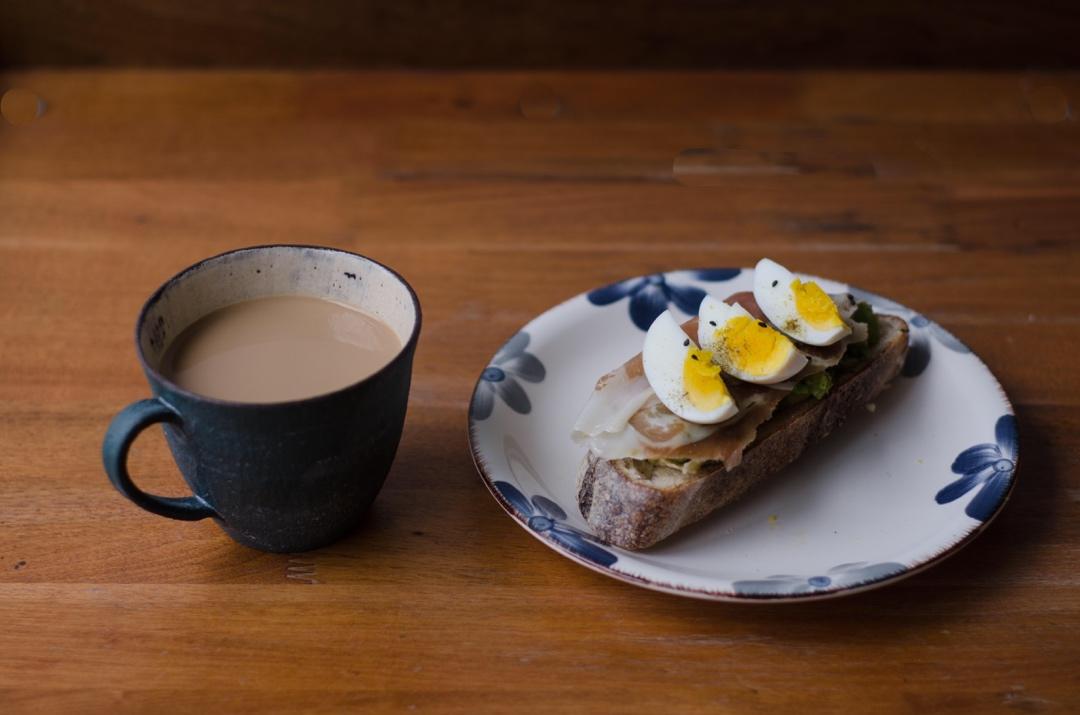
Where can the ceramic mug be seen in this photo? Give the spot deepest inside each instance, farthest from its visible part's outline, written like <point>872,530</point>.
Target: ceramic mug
<point>285,476</point>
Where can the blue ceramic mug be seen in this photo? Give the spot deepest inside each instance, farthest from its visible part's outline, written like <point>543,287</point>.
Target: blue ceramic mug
<point>285,476</point>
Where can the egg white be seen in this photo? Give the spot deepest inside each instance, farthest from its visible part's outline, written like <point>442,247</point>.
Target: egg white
<point>664,354</point>
<point>713,315</point>
<point>772,291</point>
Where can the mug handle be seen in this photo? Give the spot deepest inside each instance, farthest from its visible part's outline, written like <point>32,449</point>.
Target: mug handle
<point>122,432</point>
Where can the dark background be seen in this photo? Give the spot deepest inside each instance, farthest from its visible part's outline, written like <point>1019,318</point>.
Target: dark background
<point>992,34</point>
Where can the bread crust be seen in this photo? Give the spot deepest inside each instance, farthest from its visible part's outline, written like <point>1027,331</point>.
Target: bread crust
<point>626,510</point>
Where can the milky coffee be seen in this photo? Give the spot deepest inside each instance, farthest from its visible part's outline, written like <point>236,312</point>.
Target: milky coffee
<point>279,348</point>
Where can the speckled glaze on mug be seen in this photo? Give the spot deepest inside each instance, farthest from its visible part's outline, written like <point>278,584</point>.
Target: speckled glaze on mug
<point>285,476</point>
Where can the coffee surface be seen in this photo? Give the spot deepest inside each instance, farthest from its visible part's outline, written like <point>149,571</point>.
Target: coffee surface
<point>278,348</point>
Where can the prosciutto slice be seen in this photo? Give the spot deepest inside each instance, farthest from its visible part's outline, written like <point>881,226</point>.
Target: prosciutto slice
<point>624,419</point>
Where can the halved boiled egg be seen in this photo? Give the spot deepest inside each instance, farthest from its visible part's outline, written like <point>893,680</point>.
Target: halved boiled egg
<point>744,346</point>
<point>683,376</point>
<point>800,309</point>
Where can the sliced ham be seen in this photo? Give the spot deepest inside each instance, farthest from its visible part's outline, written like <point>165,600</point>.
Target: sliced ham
<point>727,443</point>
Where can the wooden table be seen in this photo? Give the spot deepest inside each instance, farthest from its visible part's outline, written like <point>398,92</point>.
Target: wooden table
<point>500,195</point>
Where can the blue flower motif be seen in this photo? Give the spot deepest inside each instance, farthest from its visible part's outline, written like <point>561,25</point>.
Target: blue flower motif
<point>546,517</point>
<point>922,329</point>
<point>918,357</point>
<point>986,467</point>
<point>918,354</point>
<point>836,578</point>
<point>650,295</point>
<point>510,364</point>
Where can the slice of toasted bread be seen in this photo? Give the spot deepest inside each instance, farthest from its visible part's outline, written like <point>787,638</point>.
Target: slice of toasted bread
<point>633,510</point>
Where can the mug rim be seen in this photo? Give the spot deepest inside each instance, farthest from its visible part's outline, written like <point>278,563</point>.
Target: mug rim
<point>406,347</point>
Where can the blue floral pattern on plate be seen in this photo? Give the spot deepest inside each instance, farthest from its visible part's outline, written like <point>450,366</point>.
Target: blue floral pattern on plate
<point>510,364</point>
<point>922,329</point>
<point>650,295</point>
<point>838,577</point>
<point>987,467</point>
<point>546,517</point>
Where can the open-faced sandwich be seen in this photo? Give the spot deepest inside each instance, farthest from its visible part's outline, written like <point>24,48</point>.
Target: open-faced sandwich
<point>712,407</point>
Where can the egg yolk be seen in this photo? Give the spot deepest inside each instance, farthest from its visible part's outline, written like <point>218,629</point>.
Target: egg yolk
<point>815,306</point>
<point>701,376</point>
<point>752,347</point>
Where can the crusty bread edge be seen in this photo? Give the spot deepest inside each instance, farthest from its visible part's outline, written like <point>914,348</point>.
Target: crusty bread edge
<point>633,514</point>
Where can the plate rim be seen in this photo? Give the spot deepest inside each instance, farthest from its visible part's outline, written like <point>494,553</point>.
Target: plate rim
<point>729,596</point>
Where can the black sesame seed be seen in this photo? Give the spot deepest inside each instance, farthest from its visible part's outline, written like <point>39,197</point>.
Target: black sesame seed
<point>774,283</point>
<point>762,323</point>
<point>686,342</point>
<point>712,323</point>
<point>694,357</point>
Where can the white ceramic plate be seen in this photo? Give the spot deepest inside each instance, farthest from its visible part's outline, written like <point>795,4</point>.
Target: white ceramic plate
<point>882,497</point>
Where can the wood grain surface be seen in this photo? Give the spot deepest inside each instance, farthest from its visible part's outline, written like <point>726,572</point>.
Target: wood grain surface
<point>499,195</point>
